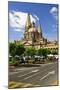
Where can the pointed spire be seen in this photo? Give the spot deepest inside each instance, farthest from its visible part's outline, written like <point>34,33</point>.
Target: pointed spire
<point>39,29</point>
<point>28,21</point>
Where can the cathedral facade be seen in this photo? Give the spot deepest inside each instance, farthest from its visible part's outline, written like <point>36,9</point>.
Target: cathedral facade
<point>33,37</point>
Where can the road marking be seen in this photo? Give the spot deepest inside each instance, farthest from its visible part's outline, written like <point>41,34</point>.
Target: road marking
<point>44,76</point>
<point>35,74</point>
<point>31,76</point>
<point>25,74</point>
<point>25,68</point>
<point>35,70</point>
<point>50,73</point>
<point>28,73</point>
<point>16,72</point>
<point>21,70</point>
<point>12,73</point>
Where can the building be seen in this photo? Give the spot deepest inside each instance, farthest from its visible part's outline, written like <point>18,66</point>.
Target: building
<point>33,37</point>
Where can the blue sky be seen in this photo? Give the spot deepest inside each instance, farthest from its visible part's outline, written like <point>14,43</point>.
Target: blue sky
<point>44,14</point>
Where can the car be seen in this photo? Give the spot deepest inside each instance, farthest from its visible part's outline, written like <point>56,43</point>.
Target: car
<point>38,58</point>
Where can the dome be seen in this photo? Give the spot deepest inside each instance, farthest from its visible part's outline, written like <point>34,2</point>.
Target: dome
<point>32,30</point>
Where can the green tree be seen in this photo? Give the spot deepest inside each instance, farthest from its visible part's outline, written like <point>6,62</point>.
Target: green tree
<point>30,51</point>
<point>48,51</point>
<point>43,52</point>
<point>19,49</point>
<point>15,49</point>
<point>12,49</point>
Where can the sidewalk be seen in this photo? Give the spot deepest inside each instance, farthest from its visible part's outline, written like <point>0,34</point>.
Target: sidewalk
<point>13,85</point>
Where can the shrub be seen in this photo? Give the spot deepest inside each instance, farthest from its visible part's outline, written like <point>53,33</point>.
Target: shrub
<point>14,62</point>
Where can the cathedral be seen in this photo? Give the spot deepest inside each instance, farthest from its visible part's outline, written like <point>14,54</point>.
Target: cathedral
<point>33,37</point>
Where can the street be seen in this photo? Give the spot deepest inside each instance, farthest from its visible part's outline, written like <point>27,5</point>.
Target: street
<point>44,75</point>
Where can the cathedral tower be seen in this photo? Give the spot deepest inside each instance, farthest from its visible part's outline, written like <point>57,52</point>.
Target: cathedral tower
<point>28,22</point>
<point>40,31</point>
<point>27,27</point>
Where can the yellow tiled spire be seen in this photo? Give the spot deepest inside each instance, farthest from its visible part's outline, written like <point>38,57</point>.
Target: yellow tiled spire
<point>28,22</point>
<point>39,29</point>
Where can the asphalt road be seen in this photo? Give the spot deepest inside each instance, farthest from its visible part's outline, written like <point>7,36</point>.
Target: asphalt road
<point>45,75</point>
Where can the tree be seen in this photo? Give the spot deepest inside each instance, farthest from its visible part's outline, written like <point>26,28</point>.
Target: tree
<point>15,50</point>
<point>12,49</point>
<point>19,49</point>
<point>43,52</point>
<point>30,51</point>
<point>48,51</point>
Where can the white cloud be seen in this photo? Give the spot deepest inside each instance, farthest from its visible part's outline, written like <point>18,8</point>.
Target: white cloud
<point>53,9</point>
<point>17,20</point>
<point>18,30</point>
<point>36,17</point>
<point>54,12</point>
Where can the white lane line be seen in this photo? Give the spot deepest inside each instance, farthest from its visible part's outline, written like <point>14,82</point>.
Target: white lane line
<point>38,73</point>
<point>45,76</point>
<point>31,76</point>
<point>28,73</point>
<point>25,68</point>
<point>49,73</point>
<point>25,74</point>
<point>20,70</point>
<point>35,70</point>
<point>12,73</point>
<point>52,72</point>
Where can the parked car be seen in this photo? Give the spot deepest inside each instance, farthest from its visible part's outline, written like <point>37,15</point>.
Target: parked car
<point>39,58</point>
